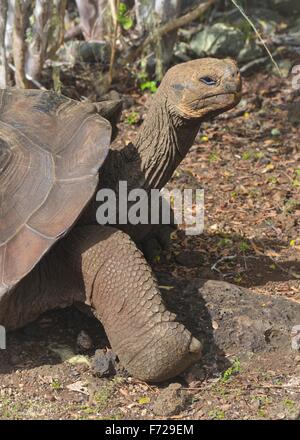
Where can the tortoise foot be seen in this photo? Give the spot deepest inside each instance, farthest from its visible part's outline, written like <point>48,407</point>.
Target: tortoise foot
<point>161,353</point>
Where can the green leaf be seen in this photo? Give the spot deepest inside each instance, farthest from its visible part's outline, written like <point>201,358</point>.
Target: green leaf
<point>124,20</point>
<point>144,400</point>
<point>132,118</point>
<point>233,370</point>
<point>244,246</point>
<point>149,85</point>
<point>122,8</point>
<point>127,23</point>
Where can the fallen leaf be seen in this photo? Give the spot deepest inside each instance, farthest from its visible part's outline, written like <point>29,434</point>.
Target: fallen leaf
<point>78,387</point>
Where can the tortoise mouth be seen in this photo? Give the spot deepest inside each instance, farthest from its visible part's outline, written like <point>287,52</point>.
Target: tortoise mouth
<point>209,104</point>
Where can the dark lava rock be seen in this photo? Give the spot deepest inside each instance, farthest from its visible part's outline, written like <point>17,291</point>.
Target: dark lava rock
<point>246,321</point>
<point>218,40</point>
<point>231,319</point>
<point>104,363</point>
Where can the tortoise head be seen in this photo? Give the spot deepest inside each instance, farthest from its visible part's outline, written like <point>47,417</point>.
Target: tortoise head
<point>202,88</point>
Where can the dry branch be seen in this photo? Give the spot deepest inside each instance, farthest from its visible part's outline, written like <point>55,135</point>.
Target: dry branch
<point>57,28</point>
<point>3,59</point>
<point>38,46</point>
<point>19,44</point>
<point>93,18</point>
<point>114,7</point>
<point>169,27</point>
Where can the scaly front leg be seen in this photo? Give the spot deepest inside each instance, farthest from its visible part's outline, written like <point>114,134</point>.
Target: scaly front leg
<point>123,293</point>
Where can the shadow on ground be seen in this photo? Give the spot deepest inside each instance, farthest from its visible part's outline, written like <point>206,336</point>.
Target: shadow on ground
<point>30,346</point>
<point>230,320</point>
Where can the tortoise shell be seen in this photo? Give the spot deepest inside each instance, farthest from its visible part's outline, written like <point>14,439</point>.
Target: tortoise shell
<point>51,149</point>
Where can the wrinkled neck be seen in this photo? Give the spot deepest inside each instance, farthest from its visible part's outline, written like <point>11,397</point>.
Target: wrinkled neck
<point>160,145</point>
<point>162,142</point>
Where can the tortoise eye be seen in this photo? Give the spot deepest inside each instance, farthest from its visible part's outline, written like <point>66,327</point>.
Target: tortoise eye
<point>208,81</point>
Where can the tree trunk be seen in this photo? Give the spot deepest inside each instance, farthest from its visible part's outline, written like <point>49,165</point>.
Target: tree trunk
<point>57,28</point>
<point>150,14</point>
<point>38,46</point>
<point>10,27</point>
<point>93,18</point>
<point>21,20</point>
<point>166,11</point>
<point>3,60</point>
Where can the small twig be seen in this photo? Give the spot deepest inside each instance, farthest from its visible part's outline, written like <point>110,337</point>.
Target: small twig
<point>245,263</point>
<point>288,176</point>
<point>258,34</point>
<point>114,7</point>
<point>259,62</point>
<point>28,77</point>
<point>229,258</point>
<point>3,55</point>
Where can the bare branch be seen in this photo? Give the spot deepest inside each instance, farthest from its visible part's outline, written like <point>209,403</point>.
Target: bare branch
<point>169,27</point>
<point>3,59</point>
<point>114,7</point>
<point>57,28</point>
<point>38,46</point>
<point>93,18</point>
<point>21,19</point>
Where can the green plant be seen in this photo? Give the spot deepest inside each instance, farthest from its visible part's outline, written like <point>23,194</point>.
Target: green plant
<point>290,404</point>
<point>149,85</point>
<point>217,414</point>
<point>259,155</point>
<point>144,400</point>
<point>290,206</point>
<point>225,242</point>
<point>263,403</point>
<point>133,118</point>
<point>56,385</point>
<point>273,180</point>
<point>231,371</point>
<point>123,18</point>
<point>238,278</point>
<point>247,155</point>
<point>244,247</point>
<point>214,157</point>
<point>103,396</point>
<point>296,181</point>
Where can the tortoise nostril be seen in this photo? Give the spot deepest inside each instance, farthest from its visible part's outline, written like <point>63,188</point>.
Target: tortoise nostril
<point>235,74</point>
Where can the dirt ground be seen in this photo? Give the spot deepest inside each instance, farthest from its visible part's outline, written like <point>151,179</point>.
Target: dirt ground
<point>248,162</point>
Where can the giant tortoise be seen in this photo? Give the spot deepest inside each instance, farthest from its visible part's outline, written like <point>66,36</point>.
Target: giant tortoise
<point>54,154</point>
